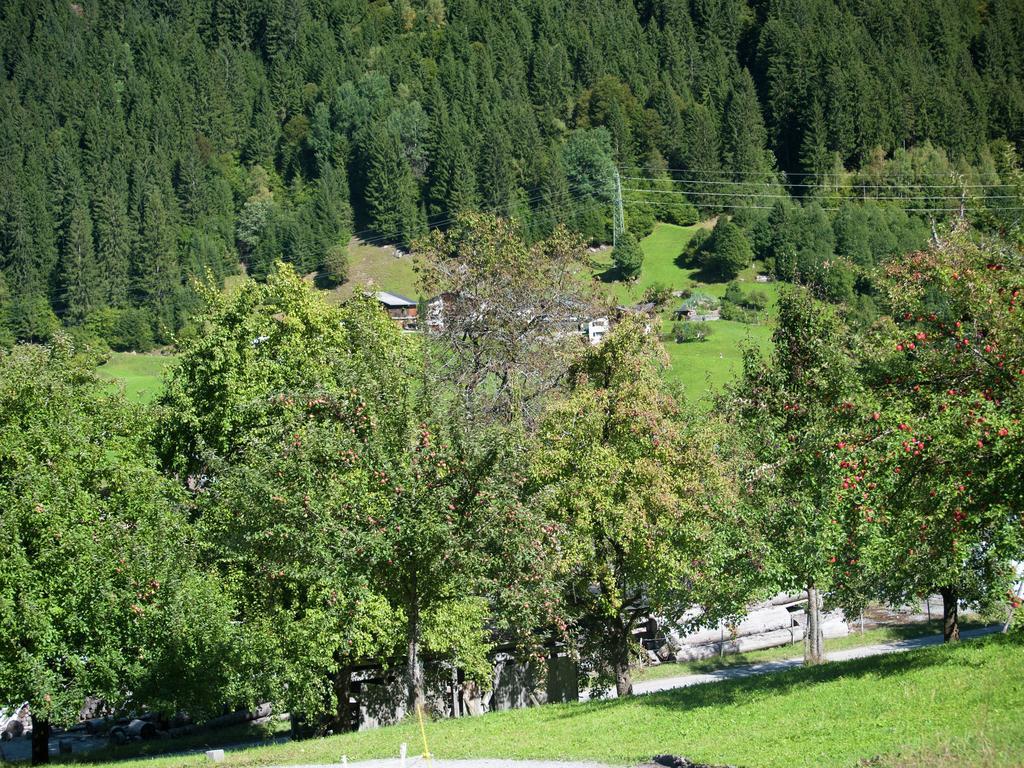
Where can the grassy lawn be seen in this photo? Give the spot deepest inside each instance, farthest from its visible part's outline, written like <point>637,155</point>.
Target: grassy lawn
<point>140,375</point>
<point>699,367</point>
<point>855,639</point>
<point>379,269</point>
<point>913,709</point>
<point>702,367</point>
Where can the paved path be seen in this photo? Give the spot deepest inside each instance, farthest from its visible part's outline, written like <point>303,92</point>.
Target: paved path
<point>764,668</point>
<point>419,762</point>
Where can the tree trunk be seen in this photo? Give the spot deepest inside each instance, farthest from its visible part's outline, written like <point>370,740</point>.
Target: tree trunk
<point>414,665</point>
<point>623,678</point>
<point>341,682</point>
<point>950,615</point>
<point>40,741</point>
<point>456,692</point>
<point>814,643</point>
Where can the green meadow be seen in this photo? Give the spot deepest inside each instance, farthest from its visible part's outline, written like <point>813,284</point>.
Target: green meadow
<point>953,705</point>
<point>140,375</point>
<point>699,367</point>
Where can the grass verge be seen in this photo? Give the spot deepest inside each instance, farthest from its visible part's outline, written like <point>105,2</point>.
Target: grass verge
<point>896,710</point>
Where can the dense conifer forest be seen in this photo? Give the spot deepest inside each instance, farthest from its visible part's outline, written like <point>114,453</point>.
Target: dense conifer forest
<point>149,143</point>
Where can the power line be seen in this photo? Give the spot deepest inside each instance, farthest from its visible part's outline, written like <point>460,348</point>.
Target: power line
<point>836,187</point>
<point>783,196</point>
<point>776,174</point>
<point>911,210</point>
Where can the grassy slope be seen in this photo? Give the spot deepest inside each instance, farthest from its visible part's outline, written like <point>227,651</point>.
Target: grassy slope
<point>139,374</point>
<point>699,367</point>
<point>962,700</point>
<point>378,269</point>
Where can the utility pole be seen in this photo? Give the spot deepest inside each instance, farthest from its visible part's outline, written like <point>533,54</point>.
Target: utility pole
<point>618,215</point>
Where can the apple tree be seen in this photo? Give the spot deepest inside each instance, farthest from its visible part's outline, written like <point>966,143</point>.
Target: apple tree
<point>934,467</point>
<point>647,518</point>
<point>101,593</point>
<point>351,516</point>
<point>792,408</point>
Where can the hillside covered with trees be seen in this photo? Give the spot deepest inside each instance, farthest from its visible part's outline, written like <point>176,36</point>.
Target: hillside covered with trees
<point>149,143</point>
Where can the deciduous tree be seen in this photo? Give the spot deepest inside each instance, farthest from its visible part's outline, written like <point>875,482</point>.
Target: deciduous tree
<point>649,520</point>
<point>101,593</point>
<point>935,466</point>
<point>510,313</point>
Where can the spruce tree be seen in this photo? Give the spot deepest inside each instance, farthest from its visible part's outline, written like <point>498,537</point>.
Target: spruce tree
<point>114,242</point>
<point>156,271</point>
<point>80,278</point>
<point>628,256</point>
<point>744,135</point>
<point>702,155</point>
<point>392,197</point>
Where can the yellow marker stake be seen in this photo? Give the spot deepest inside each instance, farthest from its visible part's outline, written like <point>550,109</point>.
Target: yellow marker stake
<point>423,733</point>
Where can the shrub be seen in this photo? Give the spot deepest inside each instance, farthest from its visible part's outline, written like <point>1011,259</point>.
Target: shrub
<point>628,256</point>
<point>681,213</point>
<point>335,266</point>
<point>738,314</point>
<point>685,331</point>
<point>734,294</point>
<point>88,345</point>
<point>659,293</point>
<point>124,330</point>
<point>757,300</point>
<point>640,220</point>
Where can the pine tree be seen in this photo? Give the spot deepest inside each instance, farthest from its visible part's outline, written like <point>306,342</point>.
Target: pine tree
<point>156,275</point>
<point>392,197</point>
<point>114,240</point>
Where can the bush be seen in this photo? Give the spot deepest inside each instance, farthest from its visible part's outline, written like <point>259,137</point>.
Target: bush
<point>734,294</point>
<point>335,266</point>
<point>728,252</point>
<point>88,345</point>
<point>124,330</point>
<point>685,331</point>
<point>738,314</point>
<point>682,213</point>
<point>757,300</point>
<point>628,256</point>
<point>658,293</point>
<point>30,318</point>
<point>640,220</point>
